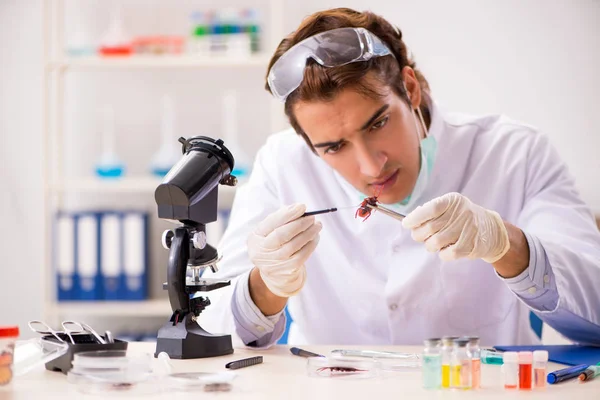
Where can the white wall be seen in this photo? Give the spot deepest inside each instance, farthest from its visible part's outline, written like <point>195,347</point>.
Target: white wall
<point>533,60</point>
<point>21,213</point>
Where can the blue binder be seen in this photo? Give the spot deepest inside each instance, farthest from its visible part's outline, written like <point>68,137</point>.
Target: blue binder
<point>135,254</point>
<point>563,354</point>
<point>64,255</point>
<point>88,282</point>
<point>111,255</point>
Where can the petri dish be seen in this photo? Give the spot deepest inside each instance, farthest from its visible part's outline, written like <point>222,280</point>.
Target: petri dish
<point>387,361</point>
<point>35,353</point>
<point>109,359</point>
<point>341,367</point>
<point>200,381</point>
<point>112,371</point>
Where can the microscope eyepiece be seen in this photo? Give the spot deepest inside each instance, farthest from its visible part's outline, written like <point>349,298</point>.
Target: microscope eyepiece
<point>204,143</point>
<point>189,191</point>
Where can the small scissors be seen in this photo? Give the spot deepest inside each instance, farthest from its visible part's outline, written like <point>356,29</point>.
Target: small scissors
<point>47,330</point>
<point>81,328</point>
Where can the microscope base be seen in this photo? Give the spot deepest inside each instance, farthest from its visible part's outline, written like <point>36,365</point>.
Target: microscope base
<point>188,340</point>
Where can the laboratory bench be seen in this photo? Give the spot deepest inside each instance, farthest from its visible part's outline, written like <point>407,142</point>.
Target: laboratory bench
<point>284,376</point>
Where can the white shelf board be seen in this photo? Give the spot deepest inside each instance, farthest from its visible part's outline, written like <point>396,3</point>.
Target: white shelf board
<point>160,61</point>
<point>143,185</point>
<point>146,308</point>
<point>93,185</point>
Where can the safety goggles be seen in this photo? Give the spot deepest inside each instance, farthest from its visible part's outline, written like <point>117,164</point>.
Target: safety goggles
<point>330,49</point>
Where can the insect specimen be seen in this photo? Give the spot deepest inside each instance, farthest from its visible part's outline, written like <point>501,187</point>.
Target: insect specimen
<point>364,211</point>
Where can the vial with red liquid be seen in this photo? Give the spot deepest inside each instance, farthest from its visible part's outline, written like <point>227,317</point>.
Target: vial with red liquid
<point>525,370</point>
<point>510,369</point>
<point>540,361</point>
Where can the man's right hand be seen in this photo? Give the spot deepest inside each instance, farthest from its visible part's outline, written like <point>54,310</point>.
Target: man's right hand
<point>278,248</point>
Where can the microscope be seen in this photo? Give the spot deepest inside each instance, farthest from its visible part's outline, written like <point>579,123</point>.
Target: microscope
<point>189,194</point>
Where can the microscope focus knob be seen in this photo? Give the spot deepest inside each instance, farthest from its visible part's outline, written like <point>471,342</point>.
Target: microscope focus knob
<point>199,240</point>
<point>167,238</point>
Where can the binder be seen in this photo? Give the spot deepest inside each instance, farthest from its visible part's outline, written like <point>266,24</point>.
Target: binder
<point>64,256</point>
<point>135,254</point>
<point>569,354</point>
<point>111,260</point>
<point>87,268</point>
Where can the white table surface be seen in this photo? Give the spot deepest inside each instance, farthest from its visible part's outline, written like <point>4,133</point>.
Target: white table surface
<point>284,376</point>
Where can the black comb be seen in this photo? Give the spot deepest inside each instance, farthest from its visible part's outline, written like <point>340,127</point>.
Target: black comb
<point>246,362</point>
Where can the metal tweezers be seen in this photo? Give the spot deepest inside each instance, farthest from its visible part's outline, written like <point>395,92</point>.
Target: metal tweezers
<point>375,354</point>
<point>387,211</point>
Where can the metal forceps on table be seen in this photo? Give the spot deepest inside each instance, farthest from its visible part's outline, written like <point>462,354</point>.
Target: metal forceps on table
<point>47,330</point>
<point>376,354</point>
<point>81,327</point>
<point>386,211</point>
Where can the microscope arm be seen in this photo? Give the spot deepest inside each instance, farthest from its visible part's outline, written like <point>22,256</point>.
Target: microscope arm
<point>176,270</point>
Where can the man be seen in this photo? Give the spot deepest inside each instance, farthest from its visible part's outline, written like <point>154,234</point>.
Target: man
<point>494,225</point>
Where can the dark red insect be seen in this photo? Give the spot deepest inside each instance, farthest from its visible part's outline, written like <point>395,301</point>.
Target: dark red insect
<point>363,210</point>
<point>340,370</point>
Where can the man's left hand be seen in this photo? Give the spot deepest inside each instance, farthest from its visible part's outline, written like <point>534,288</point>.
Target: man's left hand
<point>457,228</point>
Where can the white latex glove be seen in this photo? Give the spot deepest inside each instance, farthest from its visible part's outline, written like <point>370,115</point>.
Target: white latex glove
<point>280,246</point>
<point>454,226</point>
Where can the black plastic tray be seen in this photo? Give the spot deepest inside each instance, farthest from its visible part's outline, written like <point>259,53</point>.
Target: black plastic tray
<point>83,342</point>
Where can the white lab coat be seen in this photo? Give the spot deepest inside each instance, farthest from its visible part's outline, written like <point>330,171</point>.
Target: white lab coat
<point>370,283</point>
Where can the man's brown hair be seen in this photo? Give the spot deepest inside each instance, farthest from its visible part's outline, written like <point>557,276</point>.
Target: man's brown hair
<point>322,84</point>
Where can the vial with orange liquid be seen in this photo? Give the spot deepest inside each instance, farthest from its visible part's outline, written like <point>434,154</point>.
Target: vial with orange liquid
<point>540,361</point>
<point>510,369</point>
<point>475,362</point>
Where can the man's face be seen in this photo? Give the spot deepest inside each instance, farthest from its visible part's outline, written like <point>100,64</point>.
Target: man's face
<point>370,142</point>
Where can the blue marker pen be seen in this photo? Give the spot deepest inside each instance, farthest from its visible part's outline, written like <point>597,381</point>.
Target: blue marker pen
<point>566,373</point>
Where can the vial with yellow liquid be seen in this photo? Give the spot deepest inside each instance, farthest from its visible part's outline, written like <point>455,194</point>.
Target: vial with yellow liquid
<point>447,346</point>
<point>461,365</point>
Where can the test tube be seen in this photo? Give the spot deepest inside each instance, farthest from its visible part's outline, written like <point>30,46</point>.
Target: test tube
<point>461,374</point>
<point>510,369</point>
<point>432,364</point>
<point>447,343</point>
<point>525,369</point>
<point>475,362</point>
<point>491,357</point>
<point>540,361</point>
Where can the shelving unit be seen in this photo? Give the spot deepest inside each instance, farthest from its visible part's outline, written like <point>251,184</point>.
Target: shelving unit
<point>148,308</point>
<point>56,66</point>
<point>165,61</point>
<point>145,185</point>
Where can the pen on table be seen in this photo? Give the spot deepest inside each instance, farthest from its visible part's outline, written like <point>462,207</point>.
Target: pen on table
<point>590,373</point>
<point>567,373</point>
<point>304,353</point>
<point>246,362</point>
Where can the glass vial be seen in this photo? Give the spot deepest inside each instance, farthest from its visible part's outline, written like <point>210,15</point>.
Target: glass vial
<point>432,364</point>
<point>525,369</point>
<point>491,357</point>
<point>540,361</point>
<point>447,345</point>
<point>460,376</point>
<point>475,362</point>
<point>510,369</point>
